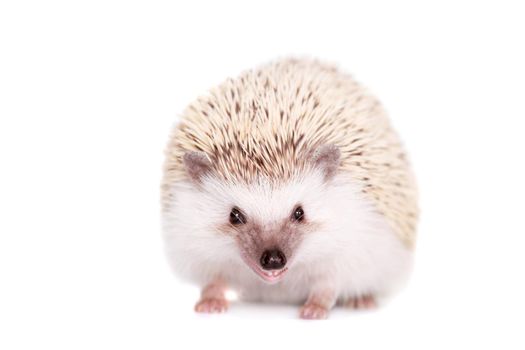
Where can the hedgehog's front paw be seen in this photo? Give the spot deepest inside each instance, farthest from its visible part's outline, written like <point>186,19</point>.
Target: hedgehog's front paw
<point>312,311</point>
<point>211,305</point>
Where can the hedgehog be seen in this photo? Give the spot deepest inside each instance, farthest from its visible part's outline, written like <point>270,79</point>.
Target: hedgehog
<point>288,184</point>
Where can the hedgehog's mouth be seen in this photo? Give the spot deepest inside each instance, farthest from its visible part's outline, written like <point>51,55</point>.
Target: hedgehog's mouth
<point>268,276</point>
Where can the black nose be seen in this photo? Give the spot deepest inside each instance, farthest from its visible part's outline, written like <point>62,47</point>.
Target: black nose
<point>273,259</point>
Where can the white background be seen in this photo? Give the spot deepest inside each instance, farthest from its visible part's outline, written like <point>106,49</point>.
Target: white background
<point>88,94</point>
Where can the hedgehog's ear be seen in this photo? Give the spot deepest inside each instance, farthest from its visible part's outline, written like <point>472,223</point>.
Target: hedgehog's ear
<point>327,158</point>
<point>197,165</point>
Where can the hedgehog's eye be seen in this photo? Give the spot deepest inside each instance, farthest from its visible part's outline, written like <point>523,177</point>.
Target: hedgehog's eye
<point>298,214</point>
<point>236,217</point>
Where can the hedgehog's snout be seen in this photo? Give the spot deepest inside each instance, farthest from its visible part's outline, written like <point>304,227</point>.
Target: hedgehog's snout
<point>273,259</point>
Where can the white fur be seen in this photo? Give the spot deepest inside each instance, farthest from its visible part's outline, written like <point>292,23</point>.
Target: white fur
<point>354,252</point>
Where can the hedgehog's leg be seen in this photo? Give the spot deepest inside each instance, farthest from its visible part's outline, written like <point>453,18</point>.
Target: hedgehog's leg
<point>318,304</point>
<point>366,301</point>
<point>213,299</point>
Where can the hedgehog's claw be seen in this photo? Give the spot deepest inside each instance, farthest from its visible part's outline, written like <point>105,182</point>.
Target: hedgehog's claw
<point>211,305</point>
<point>312,311</point>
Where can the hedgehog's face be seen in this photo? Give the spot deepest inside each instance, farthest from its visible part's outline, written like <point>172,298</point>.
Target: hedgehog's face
<point>268,224</point>
<point>267,221</point>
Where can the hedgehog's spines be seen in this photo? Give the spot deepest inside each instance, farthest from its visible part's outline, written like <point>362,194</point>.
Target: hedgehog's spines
<point>268,121</point>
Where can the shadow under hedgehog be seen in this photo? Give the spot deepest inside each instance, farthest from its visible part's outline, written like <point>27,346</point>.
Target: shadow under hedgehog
<point>288,184</point>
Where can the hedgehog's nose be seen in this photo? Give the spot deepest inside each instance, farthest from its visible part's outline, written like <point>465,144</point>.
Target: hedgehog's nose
<point>273,259</point>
